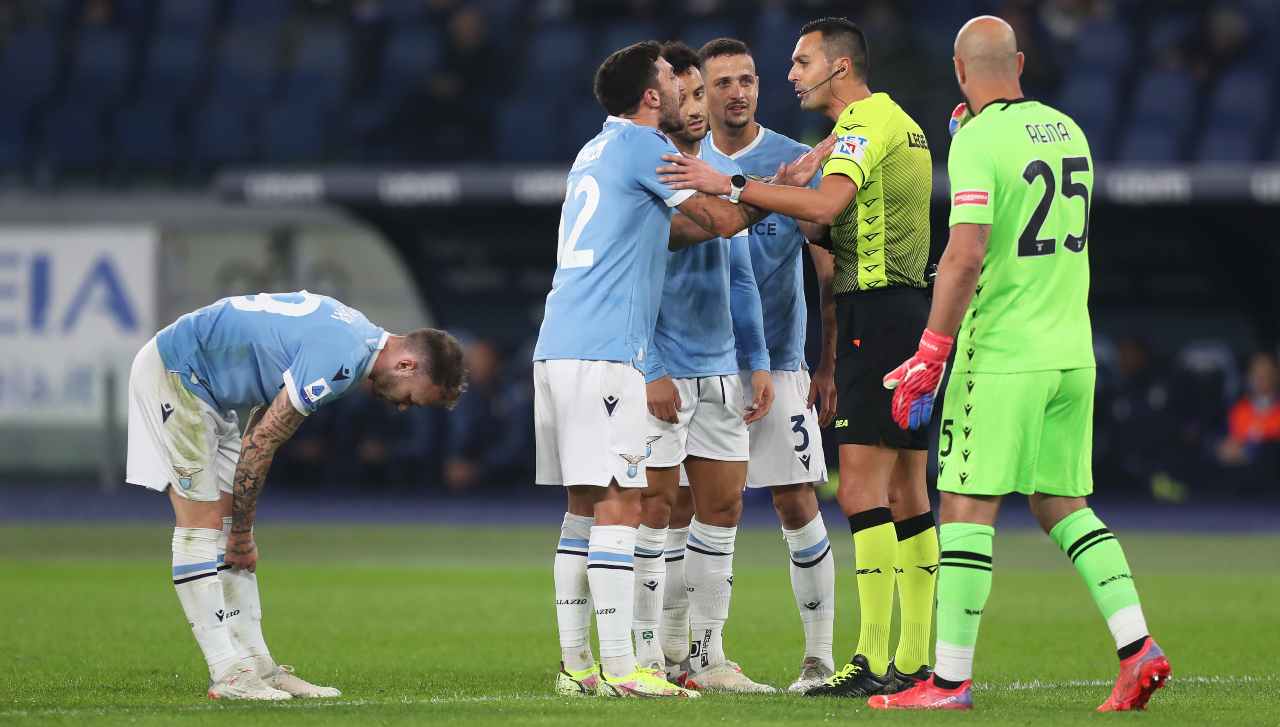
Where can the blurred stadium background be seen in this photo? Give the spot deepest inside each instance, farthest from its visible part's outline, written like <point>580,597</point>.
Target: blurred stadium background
<point>408,156</point>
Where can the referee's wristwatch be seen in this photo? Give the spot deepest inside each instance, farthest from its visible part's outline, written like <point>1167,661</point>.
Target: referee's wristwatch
<point>736,184</point>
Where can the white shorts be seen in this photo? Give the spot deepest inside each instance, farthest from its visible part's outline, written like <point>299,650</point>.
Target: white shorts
<point>786,446</point>
<point>709,424</point>
<point>590,419</point>
<point>175,438</point>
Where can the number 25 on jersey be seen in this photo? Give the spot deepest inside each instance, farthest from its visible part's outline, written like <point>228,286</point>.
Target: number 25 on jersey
<point>1030,243</point>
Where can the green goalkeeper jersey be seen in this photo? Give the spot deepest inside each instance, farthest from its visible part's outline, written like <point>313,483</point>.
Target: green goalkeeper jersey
<point>1025,169</point>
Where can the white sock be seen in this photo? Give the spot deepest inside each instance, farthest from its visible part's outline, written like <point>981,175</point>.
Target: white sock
<point>954,663</point>
<point>196,579</point>
<point>244,610</point>
<point>1128,625</point>
<point>573,594</point>
<point>611,573</point>
<point>708,571</point>
<point>675,599</point>
<point>651,577</point>
<point>813,581</point>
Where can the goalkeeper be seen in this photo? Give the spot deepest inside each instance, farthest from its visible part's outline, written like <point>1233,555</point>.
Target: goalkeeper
<point>1014,281</point>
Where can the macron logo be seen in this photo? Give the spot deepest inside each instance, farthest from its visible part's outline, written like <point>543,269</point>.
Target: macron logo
<point>977,197</point>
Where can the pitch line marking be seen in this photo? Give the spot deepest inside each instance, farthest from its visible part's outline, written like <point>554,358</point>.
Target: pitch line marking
<point>526,697</point>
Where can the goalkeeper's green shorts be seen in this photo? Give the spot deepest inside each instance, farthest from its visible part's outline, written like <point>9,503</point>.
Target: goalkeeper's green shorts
<point>1024,432</point>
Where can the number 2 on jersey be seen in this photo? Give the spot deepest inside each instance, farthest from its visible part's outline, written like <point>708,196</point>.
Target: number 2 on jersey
<point>1029,242</point>
<point>567,254</point>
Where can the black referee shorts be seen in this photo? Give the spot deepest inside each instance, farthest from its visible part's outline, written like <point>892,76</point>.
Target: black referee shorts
<point>877,330</point>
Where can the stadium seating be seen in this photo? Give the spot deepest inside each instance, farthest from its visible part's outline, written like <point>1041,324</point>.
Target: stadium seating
<point>1103,47</point>
<point>1238,111</point>
<point>1092,100</point>
<point>27,74</point>
<point>139,89</point>
<point>1163,109</point>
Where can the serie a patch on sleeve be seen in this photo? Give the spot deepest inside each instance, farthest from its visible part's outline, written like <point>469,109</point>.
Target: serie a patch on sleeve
<point>975,197</point>
<point>851,147</point>
<point>313,392</point>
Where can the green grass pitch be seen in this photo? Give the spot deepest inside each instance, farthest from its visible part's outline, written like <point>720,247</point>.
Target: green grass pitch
<point>422,624</point>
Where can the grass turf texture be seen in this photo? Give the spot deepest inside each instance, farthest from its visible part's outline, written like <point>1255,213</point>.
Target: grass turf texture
<point>434,624</point>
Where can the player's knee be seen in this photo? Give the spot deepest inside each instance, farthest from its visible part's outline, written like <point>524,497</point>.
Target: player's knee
<point>1049,510</point>
<point>682,512</point>
<point>723,510</point>
<point>795,505</point>
<point>655,510</point>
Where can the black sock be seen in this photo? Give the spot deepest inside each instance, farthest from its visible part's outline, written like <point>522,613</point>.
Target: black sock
<point>945,683</point>
<point>1129,650</point>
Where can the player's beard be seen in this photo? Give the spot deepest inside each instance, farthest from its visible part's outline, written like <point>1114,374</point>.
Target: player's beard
<point>689,138</point>
<point>738,120</point>
<point>669,119</point>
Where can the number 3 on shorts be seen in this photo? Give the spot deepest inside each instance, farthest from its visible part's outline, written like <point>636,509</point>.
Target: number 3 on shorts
<point>797,426</point>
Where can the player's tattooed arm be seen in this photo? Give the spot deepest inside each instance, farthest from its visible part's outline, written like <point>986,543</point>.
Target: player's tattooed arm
<point>685,232</point>
<point>720,217</point>
<point>262,438</point>
<point>821,205</point>
<point>958,273</point>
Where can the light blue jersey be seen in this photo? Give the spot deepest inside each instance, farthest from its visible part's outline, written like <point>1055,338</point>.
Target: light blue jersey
<point>238,352</point>
<point>776,246</point>
<point>710,313</point>
<point>612,256</point>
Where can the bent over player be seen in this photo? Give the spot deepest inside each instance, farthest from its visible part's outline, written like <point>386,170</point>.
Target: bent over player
<point>292,352</point>
<point>1018,415</point>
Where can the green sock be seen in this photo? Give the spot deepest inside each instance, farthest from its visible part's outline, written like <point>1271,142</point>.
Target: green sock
<point>964,582</point>
<point>917,571</point>
<point>875,548</point>
<point>1098,557</point>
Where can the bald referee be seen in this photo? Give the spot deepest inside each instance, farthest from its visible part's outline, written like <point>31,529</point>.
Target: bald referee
<point>875,195</point>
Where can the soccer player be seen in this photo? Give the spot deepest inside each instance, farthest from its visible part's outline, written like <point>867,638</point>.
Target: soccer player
<point>591,415</point>
<point>285,355</point>
<point>874,194</point>
<point>710,312</point>
<point>786,444</point>
<point>1018,417</point>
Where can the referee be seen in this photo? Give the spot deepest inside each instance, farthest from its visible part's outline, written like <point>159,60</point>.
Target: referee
<point>874,195</point>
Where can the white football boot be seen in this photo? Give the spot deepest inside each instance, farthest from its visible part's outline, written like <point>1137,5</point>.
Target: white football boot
<point>283,678</point>
<point>725,677</point>
<point>242,683</point>
<point>812,673</point>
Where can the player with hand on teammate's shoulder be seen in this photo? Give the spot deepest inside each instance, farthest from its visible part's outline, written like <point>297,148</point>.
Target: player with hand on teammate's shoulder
<point>591,411</point>
<point>875,196</point>
<point>282,355</point>
<point>1011,297</point>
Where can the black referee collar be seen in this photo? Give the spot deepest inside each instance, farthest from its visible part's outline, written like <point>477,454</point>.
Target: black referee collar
<point>1007,102</point>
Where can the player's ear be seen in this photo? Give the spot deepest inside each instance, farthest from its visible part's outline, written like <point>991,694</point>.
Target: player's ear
<point>652,97</point>
<point>960,69</point>
<point>1021,60</point>
<point>407,365</point>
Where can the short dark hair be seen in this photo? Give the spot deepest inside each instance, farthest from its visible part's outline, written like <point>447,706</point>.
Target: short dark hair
<point>680,56</point>
<point>625,75</point>
<point>443,361</point>
<point>722,47</point>
<point>841,37</point>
